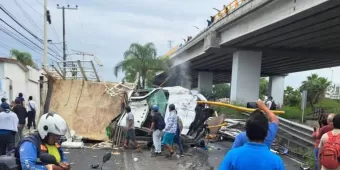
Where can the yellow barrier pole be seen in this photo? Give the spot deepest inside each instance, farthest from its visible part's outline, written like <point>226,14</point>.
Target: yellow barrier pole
<point>236,107</point>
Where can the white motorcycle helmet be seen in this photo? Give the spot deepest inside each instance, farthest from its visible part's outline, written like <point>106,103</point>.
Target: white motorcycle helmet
<point>51,123</point>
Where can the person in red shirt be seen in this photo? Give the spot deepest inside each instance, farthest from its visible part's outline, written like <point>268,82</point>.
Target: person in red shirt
<point>326,125</point>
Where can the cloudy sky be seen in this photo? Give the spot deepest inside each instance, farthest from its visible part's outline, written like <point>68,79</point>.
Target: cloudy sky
<point>106,28</point>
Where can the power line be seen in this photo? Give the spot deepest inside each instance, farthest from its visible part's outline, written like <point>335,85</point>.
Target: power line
<point>5,46</point>
<point>41,15</point>
<point>32,48</point>
<point>40,3</point>
<point>16,37</point>
<point>55,32</point>
<point>32,34</point>
<point>11,16</point>
<point>33,8</point>
<point>36,37</point>
<point>27,16</point>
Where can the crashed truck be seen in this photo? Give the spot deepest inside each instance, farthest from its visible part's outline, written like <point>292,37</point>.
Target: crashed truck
<point>192,114</point>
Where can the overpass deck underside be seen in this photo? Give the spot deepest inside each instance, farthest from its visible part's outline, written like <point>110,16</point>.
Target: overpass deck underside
<point>305,41</point>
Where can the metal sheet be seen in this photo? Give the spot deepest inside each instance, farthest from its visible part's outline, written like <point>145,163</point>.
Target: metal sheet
<point>139,110</point>
<point>185,104</point>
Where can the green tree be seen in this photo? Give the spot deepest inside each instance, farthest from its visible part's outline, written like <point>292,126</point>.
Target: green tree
<point>219,91</point>
<point>24,57</point>
<point>222,90</point>
<point>263,87</point>
<point>316,88</point>
<point>292,97</point>
<point>141,59</point>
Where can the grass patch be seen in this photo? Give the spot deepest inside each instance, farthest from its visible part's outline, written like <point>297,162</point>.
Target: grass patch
<point>295,112</point>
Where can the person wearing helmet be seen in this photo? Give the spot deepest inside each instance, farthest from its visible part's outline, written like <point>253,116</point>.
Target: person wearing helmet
<point>170,129</point>
<point>156,128</point>
<point>50,128</point>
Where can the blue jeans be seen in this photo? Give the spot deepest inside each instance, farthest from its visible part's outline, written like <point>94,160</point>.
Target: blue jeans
<point>316,155</point>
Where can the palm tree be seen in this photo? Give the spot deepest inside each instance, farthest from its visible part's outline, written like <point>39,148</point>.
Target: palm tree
<point>140,59</point>
<point>316,88</point>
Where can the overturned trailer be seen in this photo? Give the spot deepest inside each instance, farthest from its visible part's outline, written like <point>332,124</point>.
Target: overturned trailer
<point>192,114</point>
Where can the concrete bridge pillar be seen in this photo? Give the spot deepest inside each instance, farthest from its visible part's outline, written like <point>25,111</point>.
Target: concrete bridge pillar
<point>205,81</point>
<point>245,80</point>
<point>276,88</point>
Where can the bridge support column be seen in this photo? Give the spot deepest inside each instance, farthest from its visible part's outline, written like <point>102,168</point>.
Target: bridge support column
<point>205,81</point>
<point>245,80</point>
<point>276,88</point>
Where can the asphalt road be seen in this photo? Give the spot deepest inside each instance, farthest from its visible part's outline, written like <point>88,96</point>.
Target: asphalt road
<point>195,159</point>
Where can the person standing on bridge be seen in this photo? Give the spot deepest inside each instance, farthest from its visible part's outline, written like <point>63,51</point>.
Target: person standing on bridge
<point>242,138</point>
<point>255,153</point>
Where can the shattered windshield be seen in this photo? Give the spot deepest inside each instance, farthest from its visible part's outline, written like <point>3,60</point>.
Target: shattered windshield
<point>159,98</point>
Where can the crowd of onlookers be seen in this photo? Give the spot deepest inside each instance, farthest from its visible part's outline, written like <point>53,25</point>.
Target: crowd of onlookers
<point>251,149</point>
<point>13,121</point>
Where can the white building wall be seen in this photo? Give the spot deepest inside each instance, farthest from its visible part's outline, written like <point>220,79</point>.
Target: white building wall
<point>18,78</point>
<point>21,81</point>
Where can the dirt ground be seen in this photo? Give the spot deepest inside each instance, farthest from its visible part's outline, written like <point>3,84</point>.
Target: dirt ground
<point>195,159</point>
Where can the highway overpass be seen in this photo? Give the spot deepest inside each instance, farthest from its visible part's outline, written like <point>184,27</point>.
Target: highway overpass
<point>260,38</point>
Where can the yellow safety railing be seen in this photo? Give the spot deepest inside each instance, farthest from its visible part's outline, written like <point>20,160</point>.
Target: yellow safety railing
<point>243,109</point>
<point>228,8</point>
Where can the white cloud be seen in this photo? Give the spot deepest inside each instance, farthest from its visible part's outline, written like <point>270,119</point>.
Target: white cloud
<point>107,28</point>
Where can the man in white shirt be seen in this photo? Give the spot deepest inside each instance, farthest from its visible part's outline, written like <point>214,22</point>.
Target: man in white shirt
<point>269,102</point>
<point>31,112</point>
<point>8,127</point>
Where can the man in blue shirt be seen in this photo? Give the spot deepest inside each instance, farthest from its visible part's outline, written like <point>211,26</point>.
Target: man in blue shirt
<point>241,138</point>
<point>255,153</point>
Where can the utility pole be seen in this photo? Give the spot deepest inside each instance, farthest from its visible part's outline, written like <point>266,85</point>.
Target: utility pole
<point>170,44</point>
<point>45,35</point>
<point>64,42</point>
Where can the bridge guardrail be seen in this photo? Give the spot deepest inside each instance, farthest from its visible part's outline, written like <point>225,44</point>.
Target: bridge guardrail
<point>298,131</point>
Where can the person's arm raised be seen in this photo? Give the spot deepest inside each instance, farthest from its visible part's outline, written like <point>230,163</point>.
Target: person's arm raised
<point>271,116</point>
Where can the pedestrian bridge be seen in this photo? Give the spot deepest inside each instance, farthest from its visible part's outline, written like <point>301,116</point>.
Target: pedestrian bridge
<point>259,38</point>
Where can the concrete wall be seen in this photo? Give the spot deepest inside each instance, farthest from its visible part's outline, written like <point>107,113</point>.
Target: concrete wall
<point>18,78</point>
<point>1,71</point>
<point>21,81</point>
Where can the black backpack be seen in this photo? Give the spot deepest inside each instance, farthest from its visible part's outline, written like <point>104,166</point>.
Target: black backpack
<point>160,125</point>
<point>273,106</point>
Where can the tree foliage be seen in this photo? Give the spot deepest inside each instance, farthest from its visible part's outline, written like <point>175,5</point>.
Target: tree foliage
<point>263,87</point>
<point>292,97</point>
<point>316,88</point>
<point>24,57</point>
<point>141,59</point>
<point>219,91</point>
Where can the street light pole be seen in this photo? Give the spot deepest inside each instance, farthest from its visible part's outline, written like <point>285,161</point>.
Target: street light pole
<point>45,35</point>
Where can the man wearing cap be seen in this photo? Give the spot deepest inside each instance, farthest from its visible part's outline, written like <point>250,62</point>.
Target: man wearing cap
<point>4,104</point>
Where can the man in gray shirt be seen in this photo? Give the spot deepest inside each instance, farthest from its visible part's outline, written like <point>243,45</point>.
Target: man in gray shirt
<point>130,129</point>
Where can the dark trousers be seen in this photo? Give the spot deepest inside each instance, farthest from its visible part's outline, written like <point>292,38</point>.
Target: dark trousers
<point>31,120</point>
<point>7,142</point>
<point>178,141</point>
